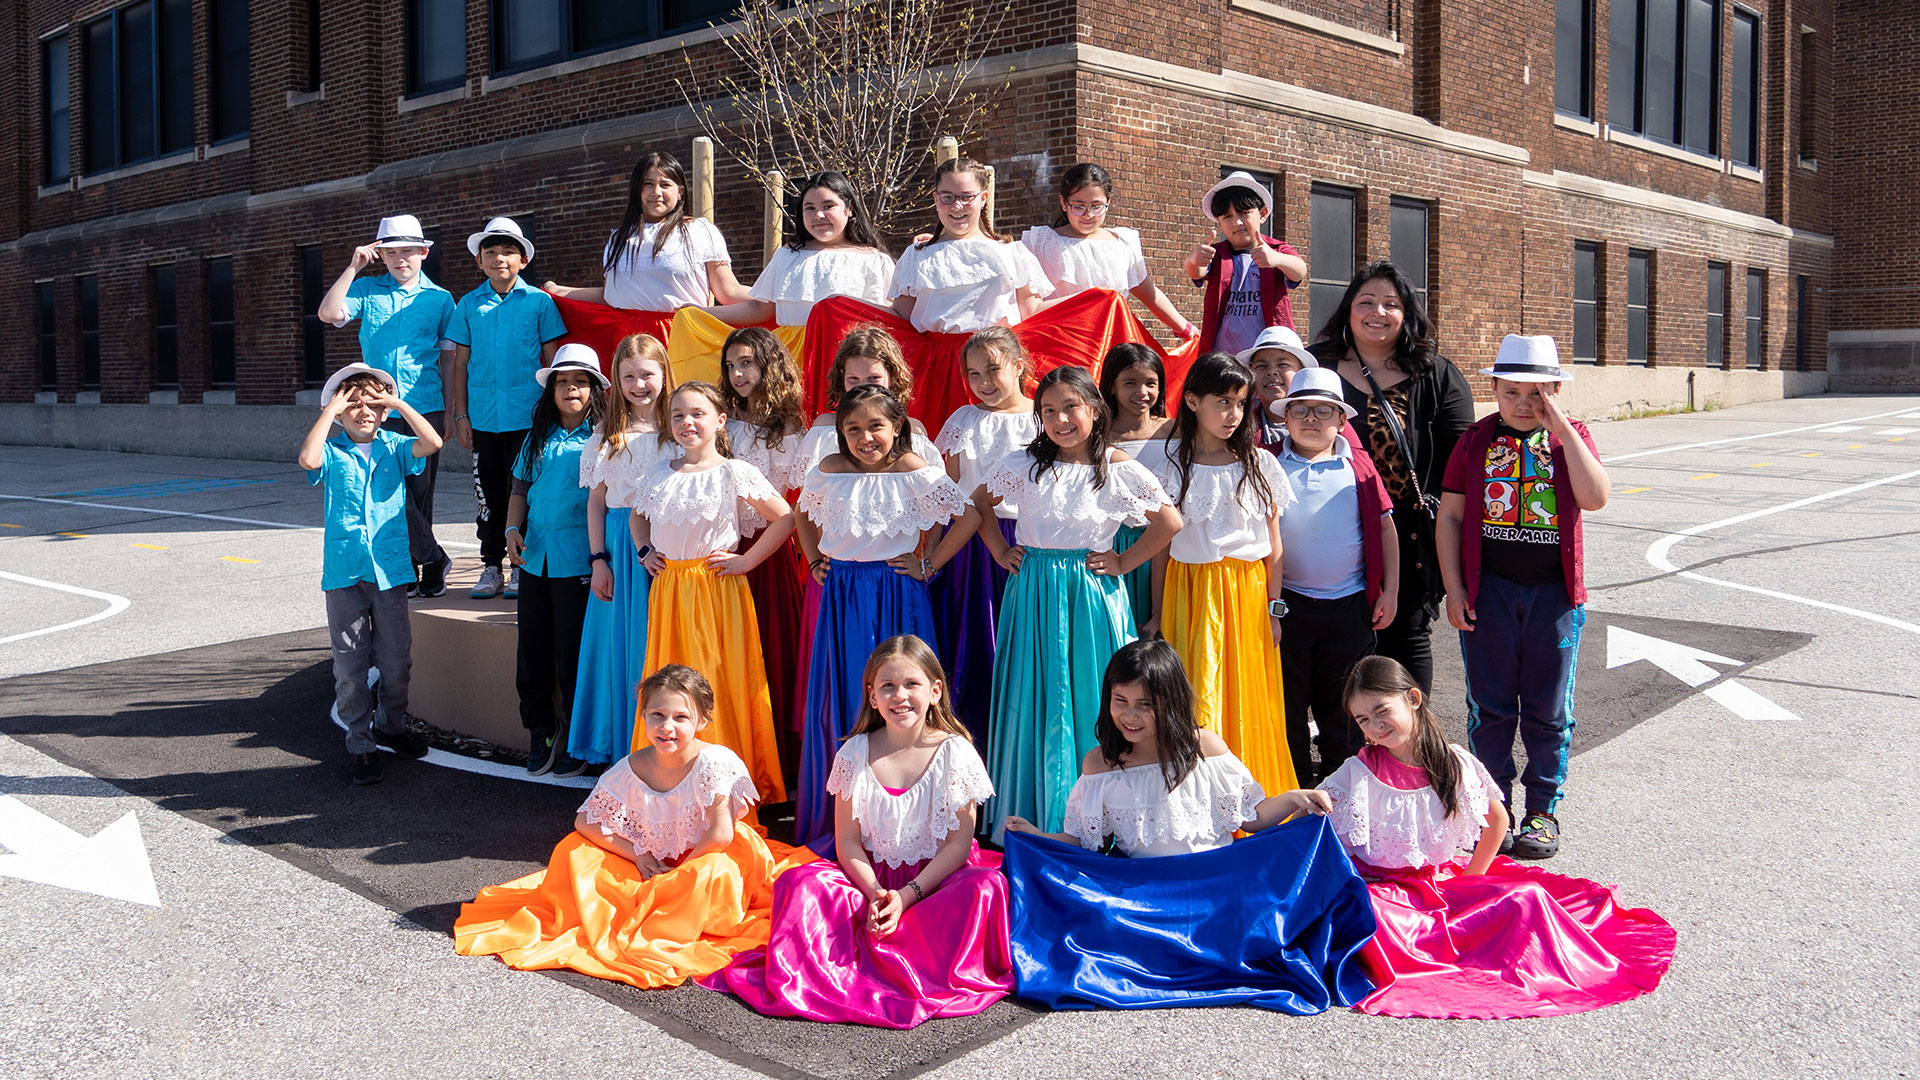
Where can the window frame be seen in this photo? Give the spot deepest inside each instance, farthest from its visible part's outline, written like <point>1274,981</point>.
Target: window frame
<point>1640,309</point>
<point>46,298</point>
<point>1745,151</point>
<point>1634,14</point>
<point>52,145</point>
<point>1585,110</point>
<point>86,289</point>
<point>411,15</point>
<point>166,325</point>
<point>1755,358</point>
<point>112,69</point>
<point>1718,298</point>
<point>1423,283</point>
<point>222,348</point>
<point>1322,285</point>
<point>221,77</point>
<point>1806,103</point>
<point>1591,249</point>
<point>313,332</point>
<point>1802,322</point>
<point>568,14</point>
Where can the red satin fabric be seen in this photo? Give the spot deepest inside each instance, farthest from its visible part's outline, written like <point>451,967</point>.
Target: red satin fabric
<point>601,327</point>
<point>1078,330</point>
<point>1516,941</point>
<point>950,955</point>
<point>809,621</point>
<point>777,590</point>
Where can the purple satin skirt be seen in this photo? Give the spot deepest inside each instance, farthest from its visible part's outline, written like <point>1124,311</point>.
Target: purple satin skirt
<point>950,955</point>
<point>966,611</point>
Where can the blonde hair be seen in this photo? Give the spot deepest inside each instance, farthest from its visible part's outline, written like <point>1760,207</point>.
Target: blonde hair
<point>940,715</point>
<point>643,347</point>
<point>663,413</point>
<point>1005,348</point>
<point>679,679</point>
<point>778,398</point>
<point>873,342</point>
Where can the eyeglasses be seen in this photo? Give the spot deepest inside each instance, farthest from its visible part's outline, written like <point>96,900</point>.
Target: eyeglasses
<point>1313,412</point>
<point>1087,209</point>
<point>948,199</point>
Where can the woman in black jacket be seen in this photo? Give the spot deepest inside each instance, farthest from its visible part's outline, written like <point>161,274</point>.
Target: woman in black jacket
<point>1381,329</point>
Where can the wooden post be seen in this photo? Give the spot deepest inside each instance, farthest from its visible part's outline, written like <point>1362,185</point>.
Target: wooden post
<point>776,215</point>
<point>701,196</point>
<point>945,149</point>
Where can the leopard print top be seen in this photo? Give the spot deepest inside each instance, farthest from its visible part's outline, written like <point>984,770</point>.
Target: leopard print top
<point>1394,468</point>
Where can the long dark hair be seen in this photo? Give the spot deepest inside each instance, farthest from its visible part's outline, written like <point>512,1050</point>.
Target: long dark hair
<point>1219,373</point>
<point>860,230</point>
<point>1152,663</point>
<point>981,176</point>
<point>546,418</point>
<point>1384,675</point>
<point>633,221</point>
<point>1120,358</point>
<point>1042,448</point>
<point>892,408</point>
<point>1415,353</point>
<point>1085,174</point>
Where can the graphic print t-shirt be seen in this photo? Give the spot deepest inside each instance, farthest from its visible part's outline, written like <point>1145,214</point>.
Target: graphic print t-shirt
<point>1240,317</point>
<point>1519,514</point>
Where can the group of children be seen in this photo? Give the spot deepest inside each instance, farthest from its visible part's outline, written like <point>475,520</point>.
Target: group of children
<point>1138,593</point>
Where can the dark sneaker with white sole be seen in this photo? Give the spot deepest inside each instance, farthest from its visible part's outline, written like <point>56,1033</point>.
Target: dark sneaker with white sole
<point>565,765</point>
<point>541,750</point>
<point>1538,836</point>
<point>366,768</point>
<point>407,744</point>
<point>433,579</point>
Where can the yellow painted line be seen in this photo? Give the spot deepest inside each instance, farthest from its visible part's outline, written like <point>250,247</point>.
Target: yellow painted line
<point>1857,446</point>
<point>1813,453</point>
<point>1760,465</point>
<point>236,558</point>
<point>1704,476</point>
<point>150,547</point>
<point>75,536</point>
<point>1635,491</point>
<point>1898,438</point>
<point>10,525</point>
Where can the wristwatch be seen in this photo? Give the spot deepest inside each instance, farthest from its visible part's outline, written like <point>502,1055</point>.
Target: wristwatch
<point>1277,608</point>
<point>600,556</point>
<point>645,550</point>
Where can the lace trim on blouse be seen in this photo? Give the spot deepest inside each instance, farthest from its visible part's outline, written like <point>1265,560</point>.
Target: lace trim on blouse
<point>867,505</point>
<point>981,436</point>
<point>1066,492</point>
<point>667,824</point>
<point>1212,489</point>
<point>1075,264</point>
<point>776,465</point>
<point>955,264</point>
<point>903,829</point>
<point>803,276</point>
<point>1134,807</point>
<point>1384,826</point>
<point>680,497</point>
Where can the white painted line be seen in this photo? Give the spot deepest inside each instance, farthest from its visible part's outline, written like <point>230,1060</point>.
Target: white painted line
<point>1745,702</point>
<point>485,768</point>
<point>1683,662</point>
<point>152,512</point>
<point>1749,438</point>
<point>1660,551</point>
<point>1897,431</point>
<point>1841,428</point>
<point>1909,416</point>
<point>115,605</point>
<point>112,862</point>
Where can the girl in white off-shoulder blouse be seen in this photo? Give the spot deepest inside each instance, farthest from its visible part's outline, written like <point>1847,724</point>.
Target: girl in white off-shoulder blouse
<point>1080,251</point>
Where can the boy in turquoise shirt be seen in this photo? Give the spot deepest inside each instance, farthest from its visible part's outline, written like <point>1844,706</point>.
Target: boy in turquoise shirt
<point>365,567</point>
<point>502,332</point>
<point>403,322</point>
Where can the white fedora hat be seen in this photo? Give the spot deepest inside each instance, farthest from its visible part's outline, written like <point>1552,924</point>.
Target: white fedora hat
<point>1528,359</point>
<point>401,230</point>
<point>1315,385</point>
<point>1279,337</point>
<point>500,226</point>
<point>1237,178</point>
<point>574,356</point>
<point>334,380</point>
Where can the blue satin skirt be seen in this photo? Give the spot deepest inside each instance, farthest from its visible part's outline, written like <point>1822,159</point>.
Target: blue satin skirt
<point>1278,920</point>
<point>861,605</point>
<point>1059,625</point>
<point>613,654</point>
<point>1140,581</point>
<point>966,604</point>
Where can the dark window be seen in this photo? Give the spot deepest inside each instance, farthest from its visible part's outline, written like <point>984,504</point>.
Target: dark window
<point>528,33</point>
<point>1700,99</point>
<point>437,44</point>
<point>1623,65</point>
<point>1801,294</point>
<point>1665,70</point>
<point>1659,85</point>
<point>1333,251</point>
<point>313,45</point>
<point>1409,243</point>
<point>1756,312</point>
<point>138,83</point>
<point>1270,181</point>
<point>56,150</point>
<point>220,351</point>
<point>1586,300</point>
<point>430,266</point>
<point>1573,57</point>
<point>166,329</point>
<point>1716,314</point>
<point>49,336</point>
<point>231,97</point>
<point>1639,310</point>
<point>89,288</point>
<point>313,340</point>
<point>1745,137</point>
<point>1809,73</point>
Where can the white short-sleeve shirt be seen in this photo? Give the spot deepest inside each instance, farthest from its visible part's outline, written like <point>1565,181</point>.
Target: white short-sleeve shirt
<point>797,279</point>
<point>1225,518</point>
<point>959,286</point>
<point>693,514</point>
<point>871,517</point>
<point>977,438</point>
<point>673,279</point>
<point>1063,509</point>
<point>1075,264</point>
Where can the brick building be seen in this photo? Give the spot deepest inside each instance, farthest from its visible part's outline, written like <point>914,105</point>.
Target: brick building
<point>1672,188</point>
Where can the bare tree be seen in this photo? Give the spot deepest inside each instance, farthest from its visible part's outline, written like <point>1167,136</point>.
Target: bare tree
<point>856,87</point>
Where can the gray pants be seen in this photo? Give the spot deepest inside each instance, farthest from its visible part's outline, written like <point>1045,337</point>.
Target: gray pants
<point>368,628</point>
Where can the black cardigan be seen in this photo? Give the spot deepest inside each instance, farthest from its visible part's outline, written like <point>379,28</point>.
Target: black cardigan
<point>1439,406</point>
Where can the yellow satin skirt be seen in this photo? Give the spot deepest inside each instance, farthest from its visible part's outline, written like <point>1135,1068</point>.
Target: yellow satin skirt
<point>590,911</point>
<point>693,345</point>
<point>707,622</point>
<point>1215,616</point>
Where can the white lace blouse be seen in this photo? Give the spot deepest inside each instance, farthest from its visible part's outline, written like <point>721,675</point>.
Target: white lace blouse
<point>1151,453</point>
<point>1133,806</point>
<point>666,824</point>
<point>1389,827</point>
<point>1064,510</point>
<point>869,517</point>
<point>1224,518</point>
<point>797,279</point>
<point>977,438</point>
<point>822,441</point>
<point>959,286</point>
<point>903,829</point>
<point>622,471</point>
<point>1075,264</point>
<point>676,278</point>
<point>775,463</point>
<point>694,514</point>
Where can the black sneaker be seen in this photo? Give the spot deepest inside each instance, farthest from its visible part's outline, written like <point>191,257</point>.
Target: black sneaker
<point>405,743</point>
<point>433,579</point>
<point>565,765</point>
<point>366,768</point>
<point>541,750</point>
<point>1538,836</point>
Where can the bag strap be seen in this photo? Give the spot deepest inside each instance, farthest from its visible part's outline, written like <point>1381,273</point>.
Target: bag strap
<point>1393,426</point>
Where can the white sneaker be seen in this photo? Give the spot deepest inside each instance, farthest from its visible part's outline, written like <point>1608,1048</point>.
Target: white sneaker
<point>512,590</point>
<point>488,586</point>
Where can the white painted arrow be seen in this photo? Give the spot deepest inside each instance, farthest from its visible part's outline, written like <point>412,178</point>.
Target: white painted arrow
<point>111,863</point>
<point>1683,662</point>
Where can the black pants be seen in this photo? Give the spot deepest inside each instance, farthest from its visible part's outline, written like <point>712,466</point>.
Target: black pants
<point>1320,641</point>
<point>493,455</point>
<point>1409,638</point>
<point>420,542</point>
<point>551,613</point>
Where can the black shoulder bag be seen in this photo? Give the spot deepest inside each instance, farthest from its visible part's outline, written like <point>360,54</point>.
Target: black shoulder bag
<point>1430,504</point>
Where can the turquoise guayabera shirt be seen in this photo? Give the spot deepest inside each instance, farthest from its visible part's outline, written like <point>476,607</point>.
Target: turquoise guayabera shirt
<point>400,333</point>
<point>504,334</point>
<point>366,509</point>
<point>556,530</point>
